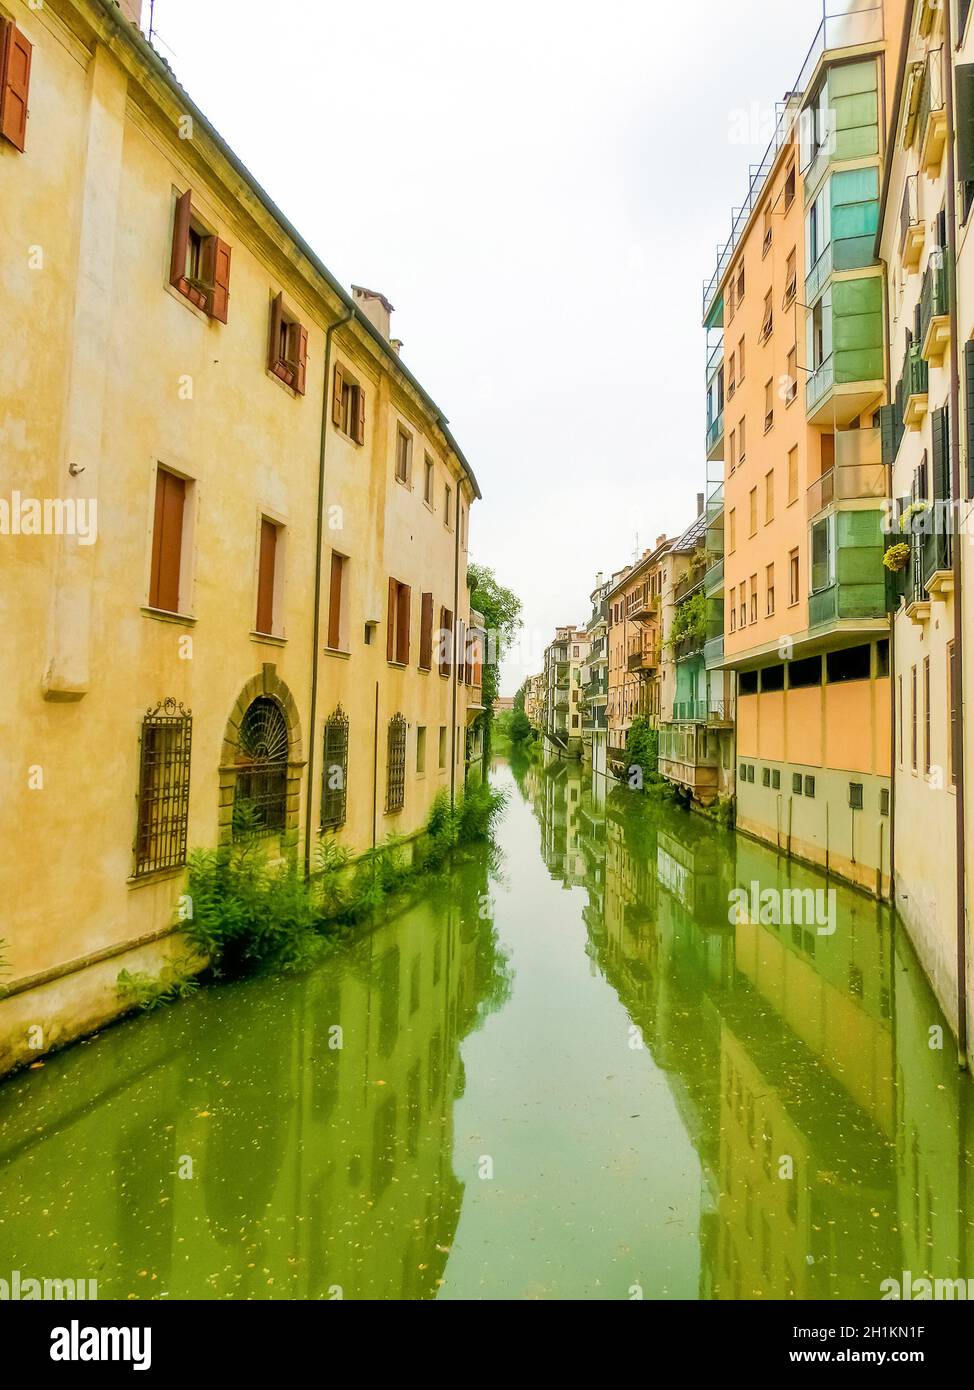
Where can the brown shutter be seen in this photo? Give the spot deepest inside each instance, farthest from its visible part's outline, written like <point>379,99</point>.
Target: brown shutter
<point>274,346</point>
<point>167,542</point>
<point>446,640</point>
<point>461,650</point>
<point>402,625</point>
<point>335,601</point>
<point>220,277</point>
<point>14,85</point>
<point>180,241</point>
<point>300,357</point>
<point>359,415</point>
<point>391,621</point>
<point>336,397</point>
<point>265,576</point>
<point>426,633</point>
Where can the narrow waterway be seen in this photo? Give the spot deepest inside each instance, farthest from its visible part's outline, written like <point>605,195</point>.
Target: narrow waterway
<point>564,1072</point>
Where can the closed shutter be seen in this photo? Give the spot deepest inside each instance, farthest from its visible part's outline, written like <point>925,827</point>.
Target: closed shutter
<point>359,425</point>
<point>15,60</point>
<point>402,624</point>
<point>426,633</point>
<point>391,622</point>
<point>220,277</point>
<point>461,651</point>
<point>335,601</point>
<point>180,241</point>
<point>940,470</point>
<point>167,542</point>
<point>969,412</point>
<point>887,427</point>
<point>265,578</point>
<point>337,414</point>
<point>446,641</point>
<point>274,346</point>
<point>300,335</point>
<point>964,77</point>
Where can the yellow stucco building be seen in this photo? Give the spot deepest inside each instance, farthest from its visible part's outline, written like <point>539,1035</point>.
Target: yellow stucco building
<point>233,530</point>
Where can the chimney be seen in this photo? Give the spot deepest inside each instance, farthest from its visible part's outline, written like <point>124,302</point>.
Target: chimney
<point>660,540</point>
<point>376,309</point>
<point>699,504</point>
<point>132,9</point>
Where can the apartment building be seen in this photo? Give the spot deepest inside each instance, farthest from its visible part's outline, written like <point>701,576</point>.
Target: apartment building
<point>564,661</point>
<point>634,651</point>
<point>534,701</point>
<point>235,527</point>
<point>796,382</point>
<point>928,436</point>
<point>595,683</point>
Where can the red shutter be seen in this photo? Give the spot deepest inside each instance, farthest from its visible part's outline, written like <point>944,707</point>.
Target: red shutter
<point>337,414</point>
<point>180,242</point>
<point>300,352</point>
<point>14,86</point>
<point>391,620</point>
<point>426,633</point>
<point>402,625</point>
<point>335,602</point>
<point>461,651</point>
<point>274,346</point>
<point>359,415</point>
<point>220,295</point>
<point>167,542</point>
<point>265,576</point>
<point>446,641</point>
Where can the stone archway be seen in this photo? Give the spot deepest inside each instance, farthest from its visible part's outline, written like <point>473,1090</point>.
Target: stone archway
<point>266,686</point>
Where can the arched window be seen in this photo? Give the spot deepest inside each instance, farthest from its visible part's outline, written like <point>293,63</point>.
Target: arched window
<point>260,792</point>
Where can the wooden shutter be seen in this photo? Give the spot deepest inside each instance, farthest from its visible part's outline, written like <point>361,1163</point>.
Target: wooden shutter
<point>15,60</point>
<point>391,622</point>
<point>265,577</point>
<point>402,625</point>
<point>359,421</point>
<point>300,357</point>
<point>887,428</point>
<point>167,542</point>
<point>337,414</point>
<point>446,641</point>
<point>220,276</point>
<point>335,601</point>
<point>964,78</point>
<point>180,241</point>
<point>939,481</point>
<point>461,651</point>
<point>969,412</point>
<point>274,347</point>
<point>426,633</point>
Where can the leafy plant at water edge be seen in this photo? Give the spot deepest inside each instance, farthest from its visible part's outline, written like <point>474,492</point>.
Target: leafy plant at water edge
<point>149,991</point>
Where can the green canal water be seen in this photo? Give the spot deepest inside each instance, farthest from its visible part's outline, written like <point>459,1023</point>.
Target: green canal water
<point>563,1072</point>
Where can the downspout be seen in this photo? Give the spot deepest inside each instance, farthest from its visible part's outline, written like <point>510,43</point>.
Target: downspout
<point>957,684</point>
<point>316,621</point>
<point>453,643</point>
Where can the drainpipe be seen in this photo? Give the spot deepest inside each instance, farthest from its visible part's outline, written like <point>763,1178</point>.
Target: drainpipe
<point>316,621</point>
<point>957,684</point>
<point>453,642</point>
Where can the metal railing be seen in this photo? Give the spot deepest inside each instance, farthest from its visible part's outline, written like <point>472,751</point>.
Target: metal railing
<point>715,430</point>
<point>931,90</point>
<point>933,292</point>
<point>819,383</point>
<point>909,208</point>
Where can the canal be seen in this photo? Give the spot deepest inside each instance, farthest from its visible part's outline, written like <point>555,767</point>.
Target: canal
<point>563,1072</point>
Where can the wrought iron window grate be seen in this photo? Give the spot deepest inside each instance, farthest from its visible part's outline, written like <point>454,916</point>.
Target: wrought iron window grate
<point>396,764</point>
<point>334,774</point>
<point>260,793</point>
<point>164,768</point>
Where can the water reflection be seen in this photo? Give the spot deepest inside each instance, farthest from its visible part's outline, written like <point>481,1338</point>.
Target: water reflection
<point>832,1136</point>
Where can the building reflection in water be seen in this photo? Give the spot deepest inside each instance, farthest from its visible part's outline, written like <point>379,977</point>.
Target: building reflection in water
<point>832,1137</point>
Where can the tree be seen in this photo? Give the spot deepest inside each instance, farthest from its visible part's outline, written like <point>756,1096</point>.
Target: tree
<point>501,609</point>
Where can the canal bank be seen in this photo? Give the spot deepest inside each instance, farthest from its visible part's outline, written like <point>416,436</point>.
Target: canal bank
<point>563,1073</point>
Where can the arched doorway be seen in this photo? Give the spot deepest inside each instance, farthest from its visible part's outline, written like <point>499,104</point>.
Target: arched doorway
<point>261,765</point>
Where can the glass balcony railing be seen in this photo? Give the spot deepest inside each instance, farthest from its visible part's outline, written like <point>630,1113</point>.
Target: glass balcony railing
<point>818,276</point>
<point>858,471</point>
<point>715,432</point>
<point>819,383</point>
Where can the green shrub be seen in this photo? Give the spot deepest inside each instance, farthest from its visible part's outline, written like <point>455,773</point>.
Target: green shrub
<point>149,991</point>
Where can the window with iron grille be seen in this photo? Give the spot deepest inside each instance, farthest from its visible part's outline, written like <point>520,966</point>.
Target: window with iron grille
<point>260,793</point>
<point>396,764</point>
<point>334,773</point>
<point>164,763</point>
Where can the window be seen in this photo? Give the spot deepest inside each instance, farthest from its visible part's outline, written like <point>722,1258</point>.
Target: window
<point>855,795</point>
<point>744,604</point>
<point>926,716</point>
<point>15,60</point>
<point>167,542</point>
<point>336,595</point>
<point>740,360</point>
<point>789,188</point>
<point>884,801</point>
<point>913,718</point>
<point>740,282</point>
<point>163,805</point>
<point>442,747</point>
<point>404,455</point>
<point>348,406</point>
<point>752,512</point>
<point>426,633</point>
<point>768,233</point>
<point>776,779</point>
<point>769,497</point>
<point>768,405</point>
<point>766,777</point>
<point>747,683</point>
<point>848,664</point>
<point>767,321</point>
<point>791,372</point>
<point>882,658</point>
<point>899,717</point>
<point>796,783</point>
<point>952,687</point>
<point>731,376</point>
<point>805,673</point>
<point>732,531</point>
<point>447,505</point>
<point>750,772</point>
<point>446,642</point>
<point>791,278</point>
<point>260,791</point>
<point>769,581</point>
<point>742,441</point>
<point>810,786</point>
<point>421,750</point>
<point>794,578</point>
<point>463,526</point>
<point>266,577</point>
<point>200,264</point>
<point>733,450</point>
<point>397,623</point>
<point>287,354</point>
<point>754,598</point>
<point>773,678</point>
<point>396,764</point>
<point>733,609</point>
<point>792,475</point>
<point>334,771</point>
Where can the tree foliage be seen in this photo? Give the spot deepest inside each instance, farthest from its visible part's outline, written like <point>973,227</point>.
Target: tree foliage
<point>501,609</point>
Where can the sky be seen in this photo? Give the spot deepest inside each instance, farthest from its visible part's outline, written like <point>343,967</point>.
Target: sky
<point>540,190</point>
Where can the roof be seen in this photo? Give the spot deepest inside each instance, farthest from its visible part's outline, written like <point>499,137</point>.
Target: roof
<point>692,537</point>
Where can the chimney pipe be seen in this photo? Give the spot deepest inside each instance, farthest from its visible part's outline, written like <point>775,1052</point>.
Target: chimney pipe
<point>700,501</point>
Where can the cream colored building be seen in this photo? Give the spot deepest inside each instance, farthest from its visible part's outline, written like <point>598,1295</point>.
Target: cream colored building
<point>233,527</point>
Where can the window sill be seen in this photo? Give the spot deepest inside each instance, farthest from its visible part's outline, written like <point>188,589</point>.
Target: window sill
<point>155,876</point>
<point>269,638</point>
<point>163,615</point>
<point>340,652</point>
<point>424,670</point>
<point>399,665</point>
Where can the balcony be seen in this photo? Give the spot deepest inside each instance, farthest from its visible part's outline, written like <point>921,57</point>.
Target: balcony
<point>642,605</point>
<point>934,309</point>
<point>912,230</point>
<point>858,472</point>
<point>912,390</point>
<point>713,580</point>
<point>712,711</point>
<point>715,438</point>
<point>689,583</point>
<point>817,277</point>
<point>646,659</point>
<point>847,326</point>
<point>713,652</point>
<point>688,755</point>
<point>932,113</point>
<point>687,647</point>
<point>848,578</point>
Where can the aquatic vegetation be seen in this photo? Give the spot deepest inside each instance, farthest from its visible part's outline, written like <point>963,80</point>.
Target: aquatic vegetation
<point>147,991</point>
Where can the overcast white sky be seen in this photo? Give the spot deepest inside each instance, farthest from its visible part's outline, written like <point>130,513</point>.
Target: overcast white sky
<point>539,188</point>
